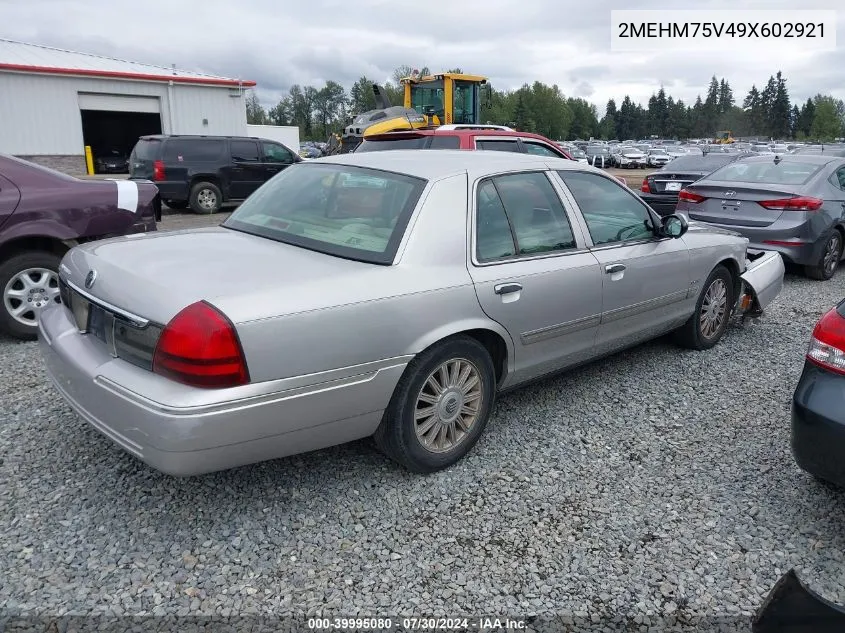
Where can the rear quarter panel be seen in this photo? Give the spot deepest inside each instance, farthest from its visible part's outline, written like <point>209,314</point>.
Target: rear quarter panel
<point>81,210</point>
<point>710,246</point>
<point>426,296</point>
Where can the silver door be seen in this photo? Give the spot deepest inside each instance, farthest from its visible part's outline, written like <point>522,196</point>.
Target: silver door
<point>647,285</point>
<point>533,273</point>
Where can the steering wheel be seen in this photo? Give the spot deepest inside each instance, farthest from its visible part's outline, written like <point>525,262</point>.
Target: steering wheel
<point>626,229</point>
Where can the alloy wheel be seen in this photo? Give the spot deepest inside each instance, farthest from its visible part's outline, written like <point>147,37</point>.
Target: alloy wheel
<point>448,405</point>
<point>28,292</point>
<point>714,308</point>
<point>831,254</point>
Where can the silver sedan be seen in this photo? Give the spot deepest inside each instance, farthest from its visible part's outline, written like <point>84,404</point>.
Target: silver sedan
<point>388,294</point>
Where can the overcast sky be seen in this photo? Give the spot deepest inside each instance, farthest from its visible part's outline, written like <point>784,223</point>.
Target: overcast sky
<point>283,42</point>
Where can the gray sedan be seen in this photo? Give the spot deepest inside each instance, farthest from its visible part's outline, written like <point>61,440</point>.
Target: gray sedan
<point>388,294</point>
<point>794,204</point>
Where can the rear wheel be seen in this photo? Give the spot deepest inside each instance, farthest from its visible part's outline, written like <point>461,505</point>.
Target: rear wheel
<point>828,260</point>
<point>29,282</point>
<point>206,198</point>
<point>708,323</point>
<point>440,406</point>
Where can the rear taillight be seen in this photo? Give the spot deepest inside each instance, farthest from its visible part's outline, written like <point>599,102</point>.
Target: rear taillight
<point>798,203</point>
<point>158,170</point>
<point>645,188</point>
<point>685,195</point>
<point>200,347</point>
<point>827,344</point>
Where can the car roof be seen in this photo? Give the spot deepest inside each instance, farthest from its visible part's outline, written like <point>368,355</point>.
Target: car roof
<point>434,165</point>
<point>461,132</point>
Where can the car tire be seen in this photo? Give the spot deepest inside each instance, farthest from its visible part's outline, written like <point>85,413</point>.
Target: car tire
<point>828,260</point>
<point>717,300</point>
<point>11,272</point>
<point>206,197</point>
<point>403,434</point>
<point>177,204</point>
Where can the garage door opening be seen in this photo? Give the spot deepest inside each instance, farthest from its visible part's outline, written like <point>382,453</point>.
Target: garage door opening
<point>112,135</point>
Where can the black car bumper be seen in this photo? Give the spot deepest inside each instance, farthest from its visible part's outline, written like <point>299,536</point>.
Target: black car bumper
<point>663,204</point>
<point>818,423</point>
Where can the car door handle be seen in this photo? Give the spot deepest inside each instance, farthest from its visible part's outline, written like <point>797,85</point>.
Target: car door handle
<point>611,269</point>
<point>506,289</point>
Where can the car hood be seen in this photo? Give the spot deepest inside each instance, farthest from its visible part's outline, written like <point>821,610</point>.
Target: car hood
<point>154,276</point>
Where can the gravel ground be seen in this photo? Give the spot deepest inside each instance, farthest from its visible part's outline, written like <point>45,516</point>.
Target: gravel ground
<point>656,482</point>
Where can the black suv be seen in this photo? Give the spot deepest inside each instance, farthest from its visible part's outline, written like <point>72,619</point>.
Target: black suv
<point>203,172</point>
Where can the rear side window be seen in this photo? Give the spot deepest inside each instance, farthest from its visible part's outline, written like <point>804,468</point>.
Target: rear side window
<point>413,142</point>
<point>275,153</point>
<point>246,151</point>
<point>522,214</point>
<point>194,150</point>
<point>768,172</point>
<point>497,145</point>
<point>146,149</point>
<point>445,142</point>
<point>539,149</point>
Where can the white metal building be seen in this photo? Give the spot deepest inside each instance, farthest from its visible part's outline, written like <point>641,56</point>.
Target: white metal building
<point>54,102</point>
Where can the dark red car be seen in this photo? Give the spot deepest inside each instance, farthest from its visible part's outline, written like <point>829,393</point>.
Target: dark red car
<point>472,137</point>
<point>44,213</point>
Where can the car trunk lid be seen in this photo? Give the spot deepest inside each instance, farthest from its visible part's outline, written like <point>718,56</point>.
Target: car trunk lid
<point>670,182</point>
<point>154,276</point>
<point>737,204</point>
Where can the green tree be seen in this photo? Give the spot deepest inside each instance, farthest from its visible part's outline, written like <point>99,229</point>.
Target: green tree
<point>361,97</point>
<point>255,113</point>
<point>779,118</point>
<point>827,124</point>
<point>329,105</point>
<point>608,125</point>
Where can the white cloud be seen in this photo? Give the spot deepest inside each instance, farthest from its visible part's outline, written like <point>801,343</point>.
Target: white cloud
<point>512,42</point>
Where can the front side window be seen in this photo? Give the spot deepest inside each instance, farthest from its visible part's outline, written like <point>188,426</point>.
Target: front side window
<point>538,149</point>
<point>520,214</point>
<point>498,145</point>
<point>339,210</point>
<point>611,211</point>
<point>274,153</point>
<point>428,97</point>
<point>465,97</point>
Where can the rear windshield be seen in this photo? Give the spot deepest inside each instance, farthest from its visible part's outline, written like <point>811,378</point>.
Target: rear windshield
<point>339,210</point>
<point>193,150</point>
<point>146,149</point>
<point>767,172</point>
<point>705,163</point>
<point>413,142</point>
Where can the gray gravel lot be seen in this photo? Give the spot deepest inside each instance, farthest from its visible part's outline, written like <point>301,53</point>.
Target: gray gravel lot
<point>657,481</point>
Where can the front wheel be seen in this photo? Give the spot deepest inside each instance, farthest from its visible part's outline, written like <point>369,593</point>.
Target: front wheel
<point>828,260</point>
<point>440,406</point>
<point>708,323</point>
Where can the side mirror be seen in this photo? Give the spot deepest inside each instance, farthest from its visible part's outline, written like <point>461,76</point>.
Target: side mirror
<point>674,225</point>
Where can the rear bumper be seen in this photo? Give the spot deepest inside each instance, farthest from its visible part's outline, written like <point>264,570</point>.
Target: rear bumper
<point>818,424</point>
<point>764,276</point>
<point>171,190</point>
<point>784,234</point>
<point>182,430</point>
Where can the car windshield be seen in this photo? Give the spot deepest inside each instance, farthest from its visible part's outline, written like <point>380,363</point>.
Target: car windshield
<point>767,172</point>
<point>339,210</point>
<point>412,142</point>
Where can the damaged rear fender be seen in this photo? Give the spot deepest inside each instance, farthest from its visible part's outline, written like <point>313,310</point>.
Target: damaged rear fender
<point>762,282</point>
